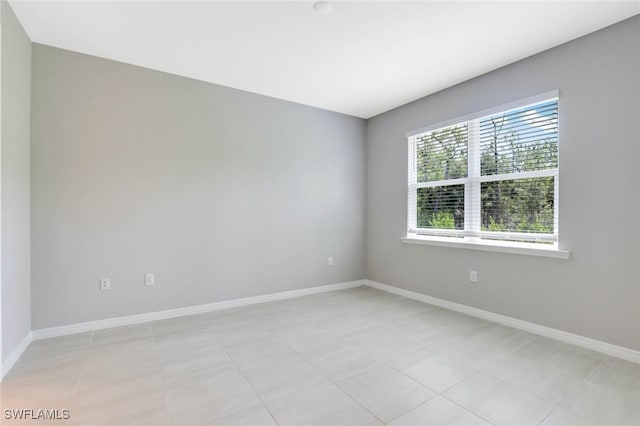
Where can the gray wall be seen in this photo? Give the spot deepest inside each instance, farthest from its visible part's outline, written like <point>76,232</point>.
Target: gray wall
<point>221,193</point>
<point>226,194</point>
<point>14,141</point>
<point>597,292</point>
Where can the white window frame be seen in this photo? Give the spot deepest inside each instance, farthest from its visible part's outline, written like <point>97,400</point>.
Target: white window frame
<point>472,236</point>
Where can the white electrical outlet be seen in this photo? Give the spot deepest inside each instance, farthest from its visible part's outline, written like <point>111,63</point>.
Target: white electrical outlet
<point>330,261</point>
<point>105,284</point>
<point>150,279</point>
<point>473,276</point>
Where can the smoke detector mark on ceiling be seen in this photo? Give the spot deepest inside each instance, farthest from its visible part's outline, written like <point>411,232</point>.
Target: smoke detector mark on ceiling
<point>322,7</point>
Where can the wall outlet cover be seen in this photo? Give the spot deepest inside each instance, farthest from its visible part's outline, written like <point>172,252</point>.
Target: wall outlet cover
<point>105,284</point>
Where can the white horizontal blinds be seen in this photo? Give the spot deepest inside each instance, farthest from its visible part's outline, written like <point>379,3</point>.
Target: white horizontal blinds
<point>519,167</point>
<point>493,177</point>
<point>442,154</point>
<point>520,140</point>
<point>441,160</point>
<point>411,196</point>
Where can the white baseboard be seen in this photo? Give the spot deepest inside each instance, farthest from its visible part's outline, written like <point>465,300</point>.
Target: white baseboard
<point>563,336</point>
<point>552,333</point>
<point>14,356</point>
<point>64,330</point>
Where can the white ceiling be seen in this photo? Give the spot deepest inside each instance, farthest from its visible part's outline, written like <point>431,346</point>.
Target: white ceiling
<point>361,59</point>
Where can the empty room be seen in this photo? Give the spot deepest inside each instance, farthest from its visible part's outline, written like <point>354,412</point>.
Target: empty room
<point>319,213</point>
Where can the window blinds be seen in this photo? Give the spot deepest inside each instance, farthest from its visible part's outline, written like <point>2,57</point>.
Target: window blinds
<point>491,177</point>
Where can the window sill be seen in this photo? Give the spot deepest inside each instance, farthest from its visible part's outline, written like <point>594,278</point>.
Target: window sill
<point>495,246</point>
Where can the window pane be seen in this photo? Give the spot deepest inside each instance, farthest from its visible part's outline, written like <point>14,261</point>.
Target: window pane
<point>522,205</point>
<point>441,207</point>
<point>442,154</point>
<point>520,140</point>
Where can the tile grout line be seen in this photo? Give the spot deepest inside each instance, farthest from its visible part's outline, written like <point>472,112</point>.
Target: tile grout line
<point>476,372</point>
<point>329,379</point>
<point>423,347</point>
<point>245,379</point>
<point>504,383</point>
<point>555,404</point>
<point>583,378</point>
<point>414,408</point>
<point>520,388</point>
<point>82,367</point>
<point>442,394</point>
<point>157,358</point>
<point>386,363</point>
<point>595,367</point>
<point>465,408</point>
<point>548,414</point>
<point>440,354</point>
<point>483,371</point>
<point>415,380</point>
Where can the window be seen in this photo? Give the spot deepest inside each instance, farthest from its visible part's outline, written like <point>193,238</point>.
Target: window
<point>491,177</point>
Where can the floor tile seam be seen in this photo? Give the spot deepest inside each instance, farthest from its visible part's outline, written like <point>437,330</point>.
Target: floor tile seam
<point>466,409</point>
<point>420,404</point>
<point>423,345</point>
<point>548,415</point>
<point>414,380</point>
<point>584,380</point>
<point>446,356</point>
<point>547,363</point>
<point>159,366</point>
<point>315,322</point>
<point>332,381</point>
<point>562,398</point>
<point>413,409</point>
<point>595,367</point>
<point>375,312</point>
<point>496,361</point>
<point>553,404</point>
<point>528,392</point>
<point>271,329</point>
<point>337,385</point>
<point>600,387</point>
<point>235,365</point>
<point>82,368</point>
<point>435,393</point>
<point>337,337</point>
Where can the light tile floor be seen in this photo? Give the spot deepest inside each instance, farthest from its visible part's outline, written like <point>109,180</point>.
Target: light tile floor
<point>352,357</point>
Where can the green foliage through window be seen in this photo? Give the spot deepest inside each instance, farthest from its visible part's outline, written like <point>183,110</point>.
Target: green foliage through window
<point>513,174</point>
<point>442,154</point>
<point>522,205</point>
<point>442,220</point>
<point>441,207</point>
